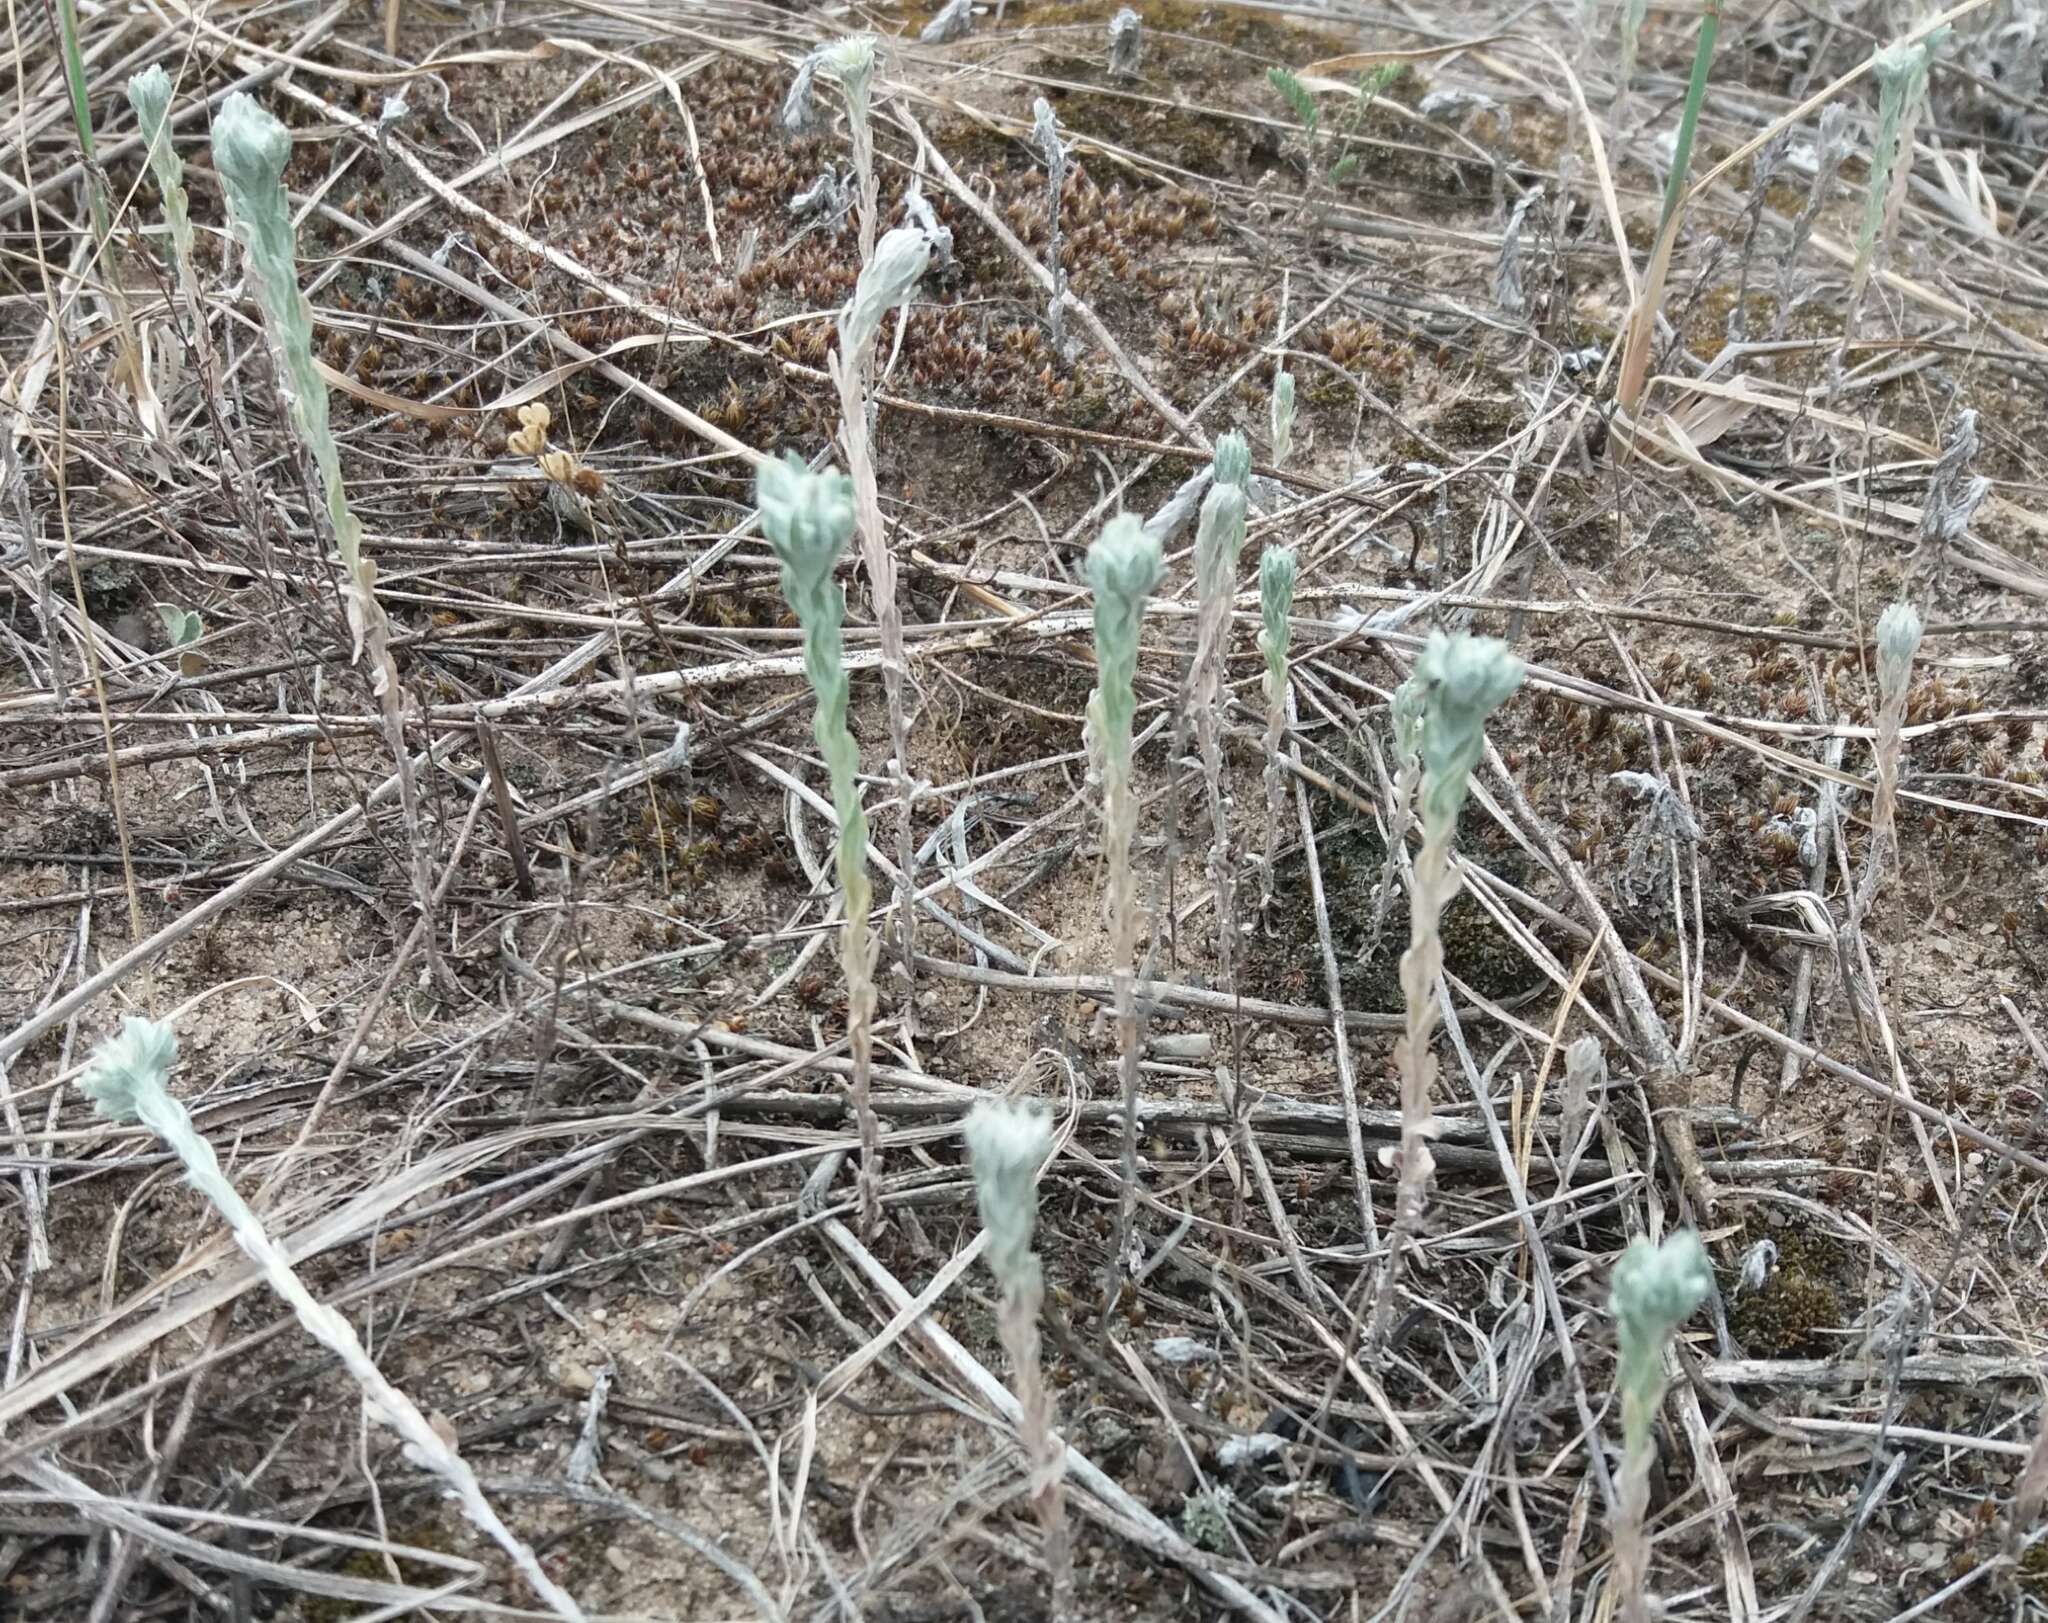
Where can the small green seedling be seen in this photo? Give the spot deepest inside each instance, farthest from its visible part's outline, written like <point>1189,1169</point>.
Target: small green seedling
<point>1007,1142</point>
<point>181,628</point>
<point>808,520</point>
<point>250,151</point>
<point>1123,567</point>
<point>1656,1288</point>
<point>1901,72</point>
<point>1462,680</point>
<point>1219,541</point>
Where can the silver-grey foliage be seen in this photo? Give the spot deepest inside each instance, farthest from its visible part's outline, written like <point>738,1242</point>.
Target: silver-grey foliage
<point>1045,135</point>
<point>1662,829</point>
<point>128,1080</point>
<point>828,199</point>
<point>1954,493</point>
<point>1126,44</point>
<point>955,20</point>
<point>1508,291</point>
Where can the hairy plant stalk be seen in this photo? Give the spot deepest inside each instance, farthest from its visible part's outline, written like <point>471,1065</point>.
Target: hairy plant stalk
<point>1901,72</point>
<point>149,93</point>
<point>1126,44</point>
<point>250,150</point>
<point>1123,567</point>
<point>1633,15</point>
<point>1655,1290</point>
<point>1045,133</point>
<point>1954,490</point>
<point>1282,414</point>
<point>886,281</point>
<point>955,21</point>
<point>1276,604</point>
<point>1898,640</point>
<point>1406,714</point>
<point>851,63</point>
<point>129,1081</point>
<point>1007,1142</point>
<point>1830,147</point>
<point>1219,540</point>
<point>1462,680</point>
<point>808,519</point>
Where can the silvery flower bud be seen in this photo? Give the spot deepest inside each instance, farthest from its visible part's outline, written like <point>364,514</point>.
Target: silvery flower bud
<point>886,281</point>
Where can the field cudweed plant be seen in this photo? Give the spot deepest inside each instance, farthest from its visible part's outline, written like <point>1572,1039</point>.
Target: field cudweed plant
<point>1656,1288</point>
<point>1123,568</point>
<point>1462,680</point>
<point>808,519</point>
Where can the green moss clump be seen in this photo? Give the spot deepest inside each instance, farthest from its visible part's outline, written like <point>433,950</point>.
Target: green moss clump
<point>1787,1317</point>
<point>370,1565</point>
<point>1791,1314</point>
<point>2033,1570</point>
<point>1258,33</point>
<point>1476,950</point>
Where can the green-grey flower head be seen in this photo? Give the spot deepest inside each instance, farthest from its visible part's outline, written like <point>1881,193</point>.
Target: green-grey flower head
<point>1233,459</point>
<point>1276,603</point>
<point>1219,538</point>
<point>1283,415</point>
<point>250,150</point>
<point>1464,679</point>
<point>851,61</point>
<point>1006,1143</point>
<point>131,1068</point>
<point>1898,640</point>
<point>1123,564</point>
<point>1903,60</point>
<point>886,281</point>
<point>1123,567</point>
<point>1657,1287</point>
<point>807,517</point>
<point>149,93</point>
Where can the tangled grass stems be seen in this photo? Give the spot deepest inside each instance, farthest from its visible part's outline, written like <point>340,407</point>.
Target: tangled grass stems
<point>1007,1141</point>
<point>1123,567</point>
<point>1462,680</point>
<point>130,368</point>
<point>128,1080</point>
<point>808,518</point>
